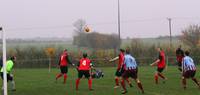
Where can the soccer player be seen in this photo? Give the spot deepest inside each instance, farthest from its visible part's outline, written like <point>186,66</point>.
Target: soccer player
<point>179,57</point>
<point>188,69</point>
<point>63,64</point>
<point>84,68</point>
<point>130,71</point>
<point>120,70</point>
<point>160,62</point>
<point>9,67</point>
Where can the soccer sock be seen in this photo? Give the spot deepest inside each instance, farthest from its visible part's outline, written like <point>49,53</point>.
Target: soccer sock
<point>65,78</point>
<point>161,75</point>
<point>123,85</point>
<point>117,81</point>
<point>13,84</point>
<point>156,78</point>
<point>58,76</point>
<point>90,83</point>
<point>184,83</point>
<point>140,86</point>
<point>195,80</point>
<point>77,83</point>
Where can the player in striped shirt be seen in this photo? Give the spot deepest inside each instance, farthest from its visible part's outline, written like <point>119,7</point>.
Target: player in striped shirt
<point>130,71</point>
<point>189,69</point>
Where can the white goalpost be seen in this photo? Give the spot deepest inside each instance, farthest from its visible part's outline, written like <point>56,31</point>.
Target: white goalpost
<point>5,92</point>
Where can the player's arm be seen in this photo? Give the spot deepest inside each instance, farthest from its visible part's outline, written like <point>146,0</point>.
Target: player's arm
<point>116,58</point>
<point>68,58</point>
<point>155,63</point>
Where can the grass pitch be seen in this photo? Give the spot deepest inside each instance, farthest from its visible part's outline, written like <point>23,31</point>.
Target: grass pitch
<point>41,82</point>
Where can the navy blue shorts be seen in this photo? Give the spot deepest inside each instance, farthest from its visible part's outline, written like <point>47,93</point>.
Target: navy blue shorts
<point>130,73</point>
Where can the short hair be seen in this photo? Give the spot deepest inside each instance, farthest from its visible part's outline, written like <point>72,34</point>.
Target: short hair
<point>128,51</point>
<point>12,58</point>
<point>187,53</point>
<point>84,55</point>
<point>122,50</point>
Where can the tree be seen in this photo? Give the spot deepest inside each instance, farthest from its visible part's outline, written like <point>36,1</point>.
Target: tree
<point>191,36</point>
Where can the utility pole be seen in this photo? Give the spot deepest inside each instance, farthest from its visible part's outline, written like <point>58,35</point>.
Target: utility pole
<point>119,27</point>
<point>170,31</point>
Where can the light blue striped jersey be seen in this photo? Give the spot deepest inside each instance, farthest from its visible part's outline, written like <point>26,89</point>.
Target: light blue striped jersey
<point>188,63</point>
<point>129,62</point>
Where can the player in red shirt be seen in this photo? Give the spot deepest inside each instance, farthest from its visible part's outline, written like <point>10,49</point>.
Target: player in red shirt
<point>179,57</point>
<point>120,69</point>
<point>84,68</point>
<point>63,64</point>
<point>160,62</point>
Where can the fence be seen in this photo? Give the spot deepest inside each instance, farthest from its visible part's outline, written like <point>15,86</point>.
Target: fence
<point>100,62</point>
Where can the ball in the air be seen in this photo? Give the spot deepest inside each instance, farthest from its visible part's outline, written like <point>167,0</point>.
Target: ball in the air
<point>87,29</point>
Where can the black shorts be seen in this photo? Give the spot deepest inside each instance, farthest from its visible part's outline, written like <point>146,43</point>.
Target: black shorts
<point>118,73</point>
<point>130,73</point>
<point>9,77</point>
<point>160,70</point>
<point>86,73</point>
<point>63,69</point>
<point>189,74</point>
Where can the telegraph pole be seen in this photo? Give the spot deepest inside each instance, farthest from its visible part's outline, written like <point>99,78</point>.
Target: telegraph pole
<point>170,31</point>
<point>119,27</point>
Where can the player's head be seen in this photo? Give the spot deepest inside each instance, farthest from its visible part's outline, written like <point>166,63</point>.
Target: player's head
<point>122,50</point>
<point>127,50</point>
<point>13,58</point>
<point>65,50</point>
<point>159,49</point>
<point>84,55</point>
<point>187,53</point>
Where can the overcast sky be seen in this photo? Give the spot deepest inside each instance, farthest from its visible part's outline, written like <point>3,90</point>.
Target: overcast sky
<point>55,18</point>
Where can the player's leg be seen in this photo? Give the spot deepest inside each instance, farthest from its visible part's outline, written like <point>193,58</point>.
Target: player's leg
<point>80,75</point>
<point>129,82</point>
<point>194,79</point>
<point>65,74</point>
<point>10,78</point>
<point>135,77</point>
<point>117,77</point>
<point>156,77</point>
<point>60,74</point>
<point>125,75</point>
<point>87,75</point>
<point>184,82</point>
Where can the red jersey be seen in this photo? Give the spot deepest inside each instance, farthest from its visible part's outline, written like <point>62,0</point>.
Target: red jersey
<point>161,63</point>
<point>63,59</point>
<point>121,60</point>
<point>84,64</point>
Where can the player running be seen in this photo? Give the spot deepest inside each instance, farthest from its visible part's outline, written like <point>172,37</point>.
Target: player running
<point>84,68</point>
<point>188,69</point>
<point>120,70</point>
<point>179,57</point>
<point>130,71</point>
<point>9,67</point>
<point>160,62</point>
<point>63,64</point>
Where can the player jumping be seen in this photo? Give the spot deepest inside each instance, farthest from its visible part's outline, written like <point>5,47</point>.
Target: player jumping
<point>188,69</point>
<point>84,68</point>
<point>130,71</point>
<point>160,62</point>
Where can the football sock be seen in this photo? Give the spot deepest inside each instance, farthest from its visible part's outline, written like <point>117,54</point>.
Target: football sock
<point>90,83</point>
<point>77,83</point>
<point>195,80</point>
<point>58,76</point>
<point>117,81</point>
<point>156,78</point>
<point>65,78</point>
<point>123,85</point>
<point>140,86</point>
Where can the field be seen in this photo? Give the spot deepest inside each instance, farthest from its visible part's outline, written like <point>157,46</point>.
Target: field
<point>41,82</point>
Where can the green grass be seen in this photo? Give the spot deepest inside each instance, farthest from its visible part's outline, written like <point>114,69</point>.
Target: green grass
<point>40,82</point>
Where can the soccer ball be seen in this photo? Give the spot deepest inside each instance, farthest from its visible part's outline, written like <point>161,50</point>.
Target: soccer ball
<point>87,29</point>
